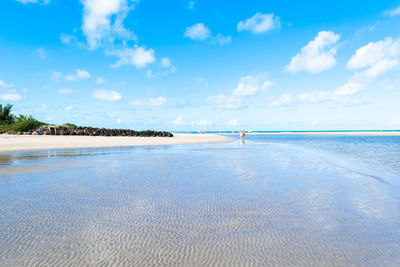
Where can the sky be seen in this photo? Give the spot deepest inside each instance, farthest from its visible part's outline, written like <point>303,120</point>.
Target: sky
<point>203,65</point>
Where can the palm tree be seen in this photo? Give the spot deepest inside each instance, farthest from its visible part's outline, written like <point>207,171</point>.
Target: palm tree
<point>6,117</point>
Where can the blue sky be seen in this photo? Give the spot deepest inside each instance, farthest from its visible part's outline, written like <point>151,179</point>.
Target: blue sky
<point>203,65</point>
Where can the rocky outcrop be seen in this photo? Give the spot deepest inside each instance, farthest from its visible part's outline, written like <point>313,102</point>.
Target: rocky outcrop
<point>90,131</point>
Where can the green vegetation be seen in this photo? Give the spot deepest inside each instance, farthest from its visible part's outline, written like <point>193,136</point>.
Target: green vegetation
<point>6,117</point>
<point>21,123</point>
<point>70,125</point>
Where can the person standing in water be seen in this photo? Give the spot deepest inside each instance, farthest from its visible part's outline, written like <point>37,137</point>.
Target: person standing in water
<point>242,135</point>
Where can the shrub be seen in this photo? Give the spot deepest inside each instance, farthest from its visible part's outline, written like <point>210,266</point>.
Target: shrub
<point>70,125</point>
<point>23,126</point>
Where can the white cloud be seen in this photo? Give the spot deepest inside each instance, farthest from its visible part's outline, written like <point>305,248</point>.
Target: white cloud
<point>283,100</point>
<point>259,23</point>
<point>313,97</point>
<point>65,91</point>
<point>55,76</point>
<point>70,107</point>
<point>11,95</point>
<point>252,84</point>
<point>149,74</point>
<point>4,84</point>
<point>103,21</point>
<point>393,12</point>
<point>341,93</point>
<point>42,106</point>
<point>66,39</point>
<point>198,32</point>
<point>107,95</point>
<point>225,102</point>
<point>44,2</point>
<point>233,122</point>
<point>394,122</point>
<point>165,62</point>
<point>78,75</point>
<point>191,4</point>
<point>221,40</point>
<point>139,57</point>
<point>376,58</point>
<point>317,55</point>
<point>204,123</point>
<point>150,102</point>
<point>179,121</point>
<point>41,52</point>
<point>119,121</point>
<point>345,90</point>
<point>100,80</point>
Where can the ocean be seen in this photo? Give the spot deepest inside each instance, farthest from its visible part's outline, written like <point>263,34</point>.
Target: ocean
<point>275,200</point>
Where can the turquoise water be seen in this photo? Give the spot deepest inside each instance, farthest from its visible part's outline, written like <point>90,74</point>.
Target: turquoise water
<point>276,200</point>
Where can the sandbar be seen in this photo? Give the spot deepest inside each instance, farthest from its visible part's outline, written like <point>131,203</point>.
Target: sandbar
<point>10,143</point>
<point>349,133</point>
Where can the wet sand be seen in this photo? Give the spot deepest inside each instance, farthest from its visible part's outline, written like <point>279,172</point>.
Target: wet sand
<point>10,143</point>
<point>273,201</point>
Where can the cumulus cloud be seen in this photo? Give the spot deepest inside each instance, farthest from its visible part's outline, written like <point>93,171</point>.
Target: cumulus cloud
<point>221,39</point>
<point>65,91</point>
<point>69,107</point>
<point>158,101</point>
<point>10,95</point>
<point>103,21</point>
<point>105,95</point>
<point>318,55</point>
<point>4,84</point>
<point>179,121</point>
<point>233,122</point>
<point>283,100</point>
<point>259,23</point>
<point>394,122</point>
<point>139,57</point>
<point>347,89</point>
<point>100,80</point>
<point>41,52</point>
<point>225,102</point>
<point>202,123</point>
<point>197,32</point>
<point>252,84</point>
<point>340,93</point>
<point>393,12</point>
<point>200,32</point>
<point>376,58</point>
<point>165,62</point>
<point>78,75</point>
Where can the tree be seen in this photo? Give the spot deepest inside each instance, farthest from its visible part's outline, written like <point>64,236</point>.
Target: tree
<point>23,118</point>
<point>6,117</point>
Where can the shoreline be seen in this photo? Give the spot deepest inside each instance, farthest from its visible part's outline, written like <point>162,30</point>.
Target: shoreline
<point>349,133</point>
<point>13,143</point>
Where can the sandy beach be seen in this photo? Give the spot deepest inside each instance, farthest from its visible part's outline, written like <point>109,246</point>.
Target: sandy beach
<point>9,143</point>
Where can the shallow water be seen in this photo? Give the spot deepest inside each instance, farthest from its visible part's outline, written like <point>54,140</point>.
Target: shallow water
<point>275,201</point>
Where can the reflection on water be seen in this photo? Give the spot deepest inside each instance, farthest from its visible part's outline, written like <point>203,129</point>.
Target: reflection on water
<point>276,200</point>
